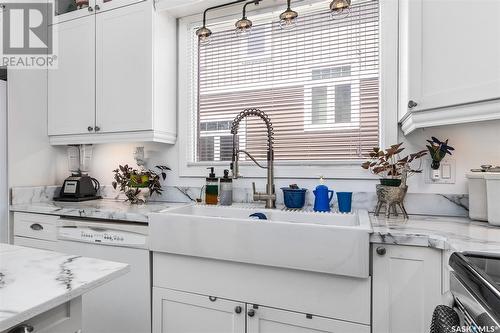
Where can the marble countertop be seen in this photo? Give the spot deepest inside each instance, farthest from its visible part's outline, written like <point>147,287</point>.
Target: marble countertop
<point>34,281</point>
<point>106,209</point>
<point>445,233</point>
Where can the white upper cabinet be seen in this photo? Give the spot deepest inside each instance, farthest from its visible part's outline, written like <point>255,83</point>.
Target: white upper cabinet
<point>116,79</point>
<point>103,5</point>
<point>449,62</point>
<point>124,60</point>
<point>71,93</point>
<point>65,10</point>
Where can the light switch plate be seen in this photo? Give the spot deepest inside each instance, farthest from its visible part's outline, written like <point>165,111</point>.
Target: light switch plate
<point>445,175</point>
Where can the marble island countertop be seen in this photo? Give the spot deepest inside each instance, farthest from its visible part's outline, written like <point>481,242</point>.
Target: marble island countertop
<point>107,209</point>
<point>445,233</point>
<point>34,281</point>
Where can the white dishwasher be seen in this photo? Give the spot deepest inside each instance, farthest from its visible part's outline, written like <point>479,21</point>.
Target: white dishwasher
<point>123,305</point>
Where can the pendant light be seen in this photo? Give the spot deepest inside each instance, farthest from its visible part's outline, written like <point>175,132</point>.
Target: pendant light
<point>203,34</point>
<point>340,9</point>
<point>244,25</point>
<point>288,19</point>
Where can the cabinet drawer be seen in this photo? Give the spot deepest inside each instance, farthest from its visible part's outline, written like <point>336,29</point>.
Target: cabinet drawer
<point>35,243</point>
<point>36,226</point>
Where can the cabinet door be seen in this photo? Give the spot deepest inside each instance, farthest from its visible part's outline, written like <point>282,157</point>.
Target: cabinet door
<point>124,59</point>
<point>71,86</point>
<point>449,55</point>
<point>406,288</point>
<point>181,312</point>
<point>269,320</point>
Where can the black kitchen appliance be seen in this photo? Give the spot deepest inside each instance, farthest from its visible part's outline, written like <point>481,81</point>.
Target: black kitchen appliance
<point>79,186</point>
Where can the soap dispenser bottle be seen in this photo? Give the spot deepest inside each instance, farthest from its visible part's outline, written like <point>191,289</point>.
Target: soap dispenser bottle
<point>211,188</point>
<point>226,190</point>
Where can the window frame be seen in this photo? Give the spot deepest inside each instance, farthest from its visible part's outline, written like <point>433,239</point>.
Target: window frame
<point>347,169</point>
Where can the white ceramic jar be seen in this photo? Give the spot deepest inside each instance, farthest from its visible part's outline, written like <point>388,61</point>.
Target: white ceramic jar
<point>478,207</point>
<point>493,195</point>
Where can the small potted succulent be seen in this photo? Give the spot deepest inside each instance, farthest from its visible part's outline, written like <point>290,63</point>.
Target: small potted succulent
<point>389,165</point>
<point>438,150</point>
<point>139,184</point>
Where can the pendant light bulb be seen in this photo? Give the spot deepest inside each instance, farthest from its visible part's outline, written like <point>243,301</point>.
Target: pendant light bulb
<point>204,34</point>
<point>243,27</point>
<point>288,19</point>
<point>340,9</point>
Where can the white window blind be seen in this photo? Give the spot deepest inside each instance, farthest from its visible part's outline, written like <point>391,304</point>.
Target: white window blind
<point>319,84</point>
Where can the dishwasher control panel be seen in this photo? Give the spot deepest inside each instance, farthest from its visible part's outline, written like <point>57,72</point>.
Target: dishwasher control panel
<point>102,236</point>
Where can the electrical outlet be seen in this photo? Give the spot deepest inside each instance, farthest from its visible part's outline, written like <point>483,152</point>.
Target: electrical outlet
<point>444,175</point>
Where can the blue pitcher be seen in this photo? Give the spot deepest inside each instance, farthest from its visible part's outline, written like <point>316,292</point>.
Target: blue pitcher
<point>322,198</point>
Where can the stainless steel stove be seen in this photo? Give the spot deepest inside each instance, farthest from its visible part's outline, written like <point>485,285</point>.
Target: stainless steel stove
<point>475,285</point>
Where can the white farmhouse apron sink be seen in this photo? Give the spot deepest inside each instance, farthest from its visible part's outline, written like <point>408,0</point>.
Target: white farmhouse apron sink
<point>318,242</point>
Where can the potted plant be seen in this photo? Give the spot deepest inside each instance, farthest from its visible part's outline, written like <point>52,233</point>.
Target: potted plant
<point>394,171</point>
<point>438,150</point>
<point>139,184</point>
<point>388,164</point>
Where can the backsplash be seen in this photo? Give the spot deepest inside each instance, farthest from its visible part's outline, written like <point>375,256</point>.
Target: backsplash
<point>416,203</point>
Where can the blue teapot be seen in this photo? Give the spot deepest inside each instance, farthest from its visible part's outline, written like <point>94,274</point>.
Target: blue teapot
<point>322,198</point>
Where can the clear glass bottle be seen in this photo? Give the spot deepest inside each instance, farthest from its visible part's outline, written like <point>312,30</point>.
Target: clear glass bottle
<point>212,188</point>
<point>226,190</point>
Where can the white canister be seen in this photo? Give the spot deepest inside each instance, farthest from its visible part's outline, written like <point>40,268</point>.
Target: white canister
<point>493,195</point>
<point>478,207</point>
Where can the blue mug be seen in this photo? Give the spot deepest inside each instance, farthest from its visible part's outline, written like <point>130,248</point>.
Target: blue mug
<point>345,201</point>
<point>322,198</point>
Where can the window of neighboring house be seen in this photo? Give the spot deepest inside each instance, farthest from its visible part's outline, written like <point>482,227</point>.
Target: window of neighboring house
<point>319,84</point>
<point>319,108</point>
<point>342,103</point>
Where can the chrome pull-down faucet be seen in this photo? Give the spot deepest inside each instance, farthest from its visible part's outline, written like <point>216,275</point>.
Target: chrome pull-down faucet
<point>270,195</point>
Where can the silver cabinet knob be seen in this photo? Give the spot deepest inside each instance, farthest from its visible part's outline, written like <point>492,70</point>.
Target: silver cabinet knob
<point>238,309</point>
<point>251,313</point>
<point>90,128</point>
<point>22,329</point>
<point>97,128</point>
<point>90,9</point>
<point>412,104</point>
<point>97,7</point>
<point>381,250</point>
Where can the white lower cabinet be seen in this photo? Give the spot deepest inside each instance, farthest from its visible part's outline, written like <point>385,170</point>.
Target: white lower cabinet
<point>180,312</point>
<point>261,319</point>
<point>184,312</point>
<point>406,287</point>
<point>35,230</point>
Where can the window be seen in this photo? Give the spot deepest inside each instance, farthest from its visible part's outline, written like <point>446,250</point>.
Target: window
<point>319,83</point>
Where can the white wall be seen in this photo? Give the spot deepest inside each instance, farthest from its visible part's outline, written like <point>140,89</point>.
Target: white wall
<point>475,144</point>
<point>3,163</point>
<point>31,160</point>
